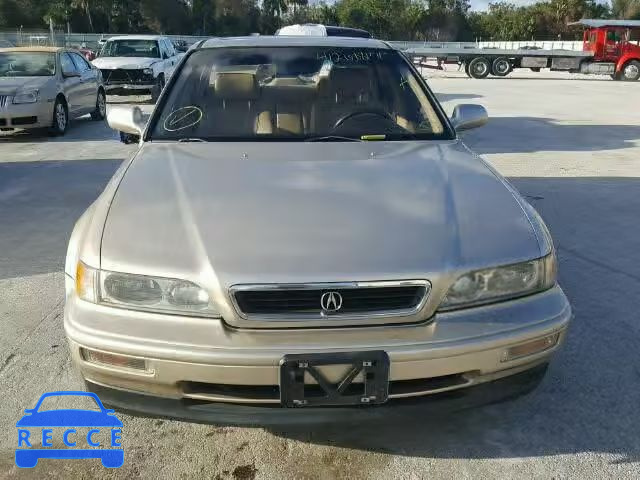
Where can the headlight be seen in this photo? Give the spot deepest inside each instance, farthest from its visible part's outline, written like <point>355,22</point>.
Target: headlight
<point>142,292</point>
<point>148,71</point>
<point>28,96</point>
<point>501,283</point>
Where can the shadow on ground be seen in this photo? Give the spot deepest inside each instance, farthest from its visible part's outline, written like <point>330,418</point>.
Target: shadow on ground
<point>80,130</point>
<point>588,402</point>
<point>39,204</point>
<point>533,134</point>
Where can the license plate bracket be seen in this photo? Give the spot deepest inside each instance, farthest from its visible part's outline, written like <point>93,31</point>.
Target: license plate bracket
<point>374,366</point>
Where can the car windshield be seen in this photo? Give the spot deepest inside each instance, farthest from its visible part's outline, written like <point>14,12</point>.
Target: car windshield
<point>297,93</point>
<point>27,64</point>
<point>131,48</point>
<point>68,402</point>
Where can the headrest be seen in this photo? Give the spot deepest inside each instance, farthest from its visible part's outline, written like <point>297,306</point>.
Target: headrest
<point>236,86</point>
<point>347,82</point>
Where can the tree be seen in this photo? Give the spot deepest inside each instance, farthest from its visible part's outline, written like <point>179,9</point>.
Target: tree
<point>626,9</point>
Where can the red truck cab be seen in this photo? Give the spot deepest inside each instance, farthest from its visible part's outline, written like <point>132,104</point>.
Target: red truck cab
<point>614,41</point>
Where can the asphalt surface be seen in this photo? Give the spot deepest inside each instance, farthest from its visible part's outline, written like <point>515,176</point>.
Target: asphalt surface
<point>571,146</point>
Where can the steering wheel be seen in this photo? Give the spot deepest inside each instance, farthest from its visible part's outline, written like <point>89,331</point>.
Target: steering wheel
<point>349,116</point>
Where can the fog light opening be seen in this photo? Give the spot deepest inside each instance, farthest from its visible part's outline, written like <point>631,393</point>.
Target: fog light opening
<point>113,360</point>
<point>530,348</point>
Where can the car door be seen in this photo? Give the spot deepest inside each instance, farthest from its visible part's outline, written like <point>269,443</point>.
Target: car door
<point>89,83</point>
<point>71,85</point>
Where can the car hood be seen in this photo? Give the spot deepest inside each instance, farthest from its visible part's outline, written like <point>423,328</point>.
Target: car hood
<point>261,212</point>
<point>110,63</point>
<point>10,85</point>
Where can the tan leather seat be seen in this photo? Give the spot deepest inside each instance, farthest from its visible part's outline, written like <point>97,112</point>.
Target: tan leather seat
<point>239,110</point>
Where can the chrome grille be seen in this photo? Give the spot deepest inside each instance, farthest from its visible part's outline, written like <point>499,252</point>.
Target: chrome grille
<point>125,76</point>
<point>355,299</point>
<point>4,101</point>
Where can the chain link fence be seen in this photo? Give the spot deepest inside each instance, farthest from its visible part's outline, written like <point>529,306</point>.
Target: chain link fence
<point>58,38</point>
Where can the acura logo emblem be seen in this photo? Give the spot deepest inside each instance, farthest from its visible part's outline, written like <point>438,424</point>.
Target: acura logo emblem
<point>331,302</point>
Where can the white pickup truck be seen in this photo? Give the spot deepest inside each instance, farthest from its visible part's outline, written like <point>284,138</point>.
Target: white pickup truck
<point>137,64</point>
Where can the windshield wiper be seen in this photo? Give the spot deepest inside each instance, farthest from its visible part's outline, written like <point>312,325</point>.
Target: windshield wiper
<point>332,138</point>
<point>191,139</point>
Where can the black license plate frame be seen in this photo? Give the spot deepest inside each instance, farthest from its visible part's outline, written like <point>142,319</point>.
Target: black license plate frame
<point>373,364</point>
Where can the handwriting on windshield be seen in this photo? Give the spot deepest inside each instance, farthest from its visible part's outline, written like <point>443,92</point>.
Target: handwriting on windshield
<point>337,56</point>
<point>182,118</point>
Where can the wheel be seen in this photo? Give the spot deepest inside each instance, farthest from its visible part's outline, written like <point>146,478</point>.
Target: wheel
<point>157,89</point>
<point>501,67</point>
<point>631,71</point>
<point>479,67</point>
<point>466,69</point>
<point>60,119</point>
<point>101,106</point>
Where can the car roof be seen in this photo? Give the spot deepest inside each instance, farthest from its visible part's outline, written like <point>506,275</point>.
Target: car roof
<point>136,37</point>
<point>33,49</point>
<point>294,41</point>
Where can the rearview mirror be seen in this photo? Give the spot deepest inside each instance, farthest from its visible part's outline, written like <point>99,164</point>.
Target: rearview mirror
<point>468,116</point>
<point>127,119</point>
<point>70,74</point>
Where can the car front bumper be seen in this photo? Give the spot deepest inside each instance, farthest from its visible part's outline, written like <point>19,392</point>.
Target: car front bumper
<point>204,361</point>
<point>26,116</point>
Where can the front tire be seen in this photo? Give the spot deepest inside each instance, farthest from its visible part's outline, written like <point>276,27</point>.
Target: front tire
<point>466,69</point>
<point>479,67</point>
<point>631,71</point>
<point>60,120</point>
<point>157,89</point>
<point>101,106</point>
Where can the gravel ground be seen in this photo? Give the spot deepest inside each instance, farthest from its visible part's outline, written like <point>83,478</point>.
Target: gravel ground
<point>571,146</point>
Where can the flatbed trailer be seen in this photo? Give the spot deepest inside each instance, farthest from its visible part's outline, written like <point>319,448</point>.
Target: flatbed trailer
<point>610,47</point>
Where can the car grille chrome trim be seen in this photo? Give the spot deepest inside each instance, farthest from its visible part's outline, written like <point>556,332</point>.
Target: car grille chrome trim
<point>4,101</point>
<point>123,76</point>
<point>270,394</point>
<point>361,300</point>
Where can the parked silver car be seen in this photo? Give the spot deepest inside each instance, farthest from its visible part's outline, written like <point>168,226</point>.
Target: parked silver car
<point>302,232</point>
<point>45,87</point>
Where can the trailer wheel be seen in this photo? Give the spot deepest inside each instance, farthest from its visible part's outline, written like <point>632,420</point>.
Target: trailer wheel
<point>466,69</point>
<point>501,67</point>
<point>631,71</point>
<point>479,67</point>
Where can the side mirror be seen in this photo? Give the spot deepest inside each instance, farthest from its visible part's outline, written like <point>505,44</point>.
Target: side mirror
<point>70,74</point>
<point>468,116</point>
<point>127,119</point>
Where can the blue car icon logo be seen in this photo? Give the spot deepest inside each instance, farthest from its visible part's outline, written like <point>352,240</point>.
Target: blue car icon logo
<point>75,428</point>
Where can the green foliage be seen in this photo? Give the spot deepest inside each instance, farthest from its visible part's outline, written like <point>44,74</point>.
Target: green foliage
<point>441,20</point>
<point>545,20</point>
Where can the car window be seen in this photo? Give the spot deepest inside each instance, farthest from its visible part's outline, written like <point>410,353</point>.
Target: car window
<point>81,64</point>
<point>131,48</point>
<point>297,93</point>
<point>167,47</point>
<point>67,64</point>
<point>68,402</point>
<point>613,36</point>
<point>27,64</point>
